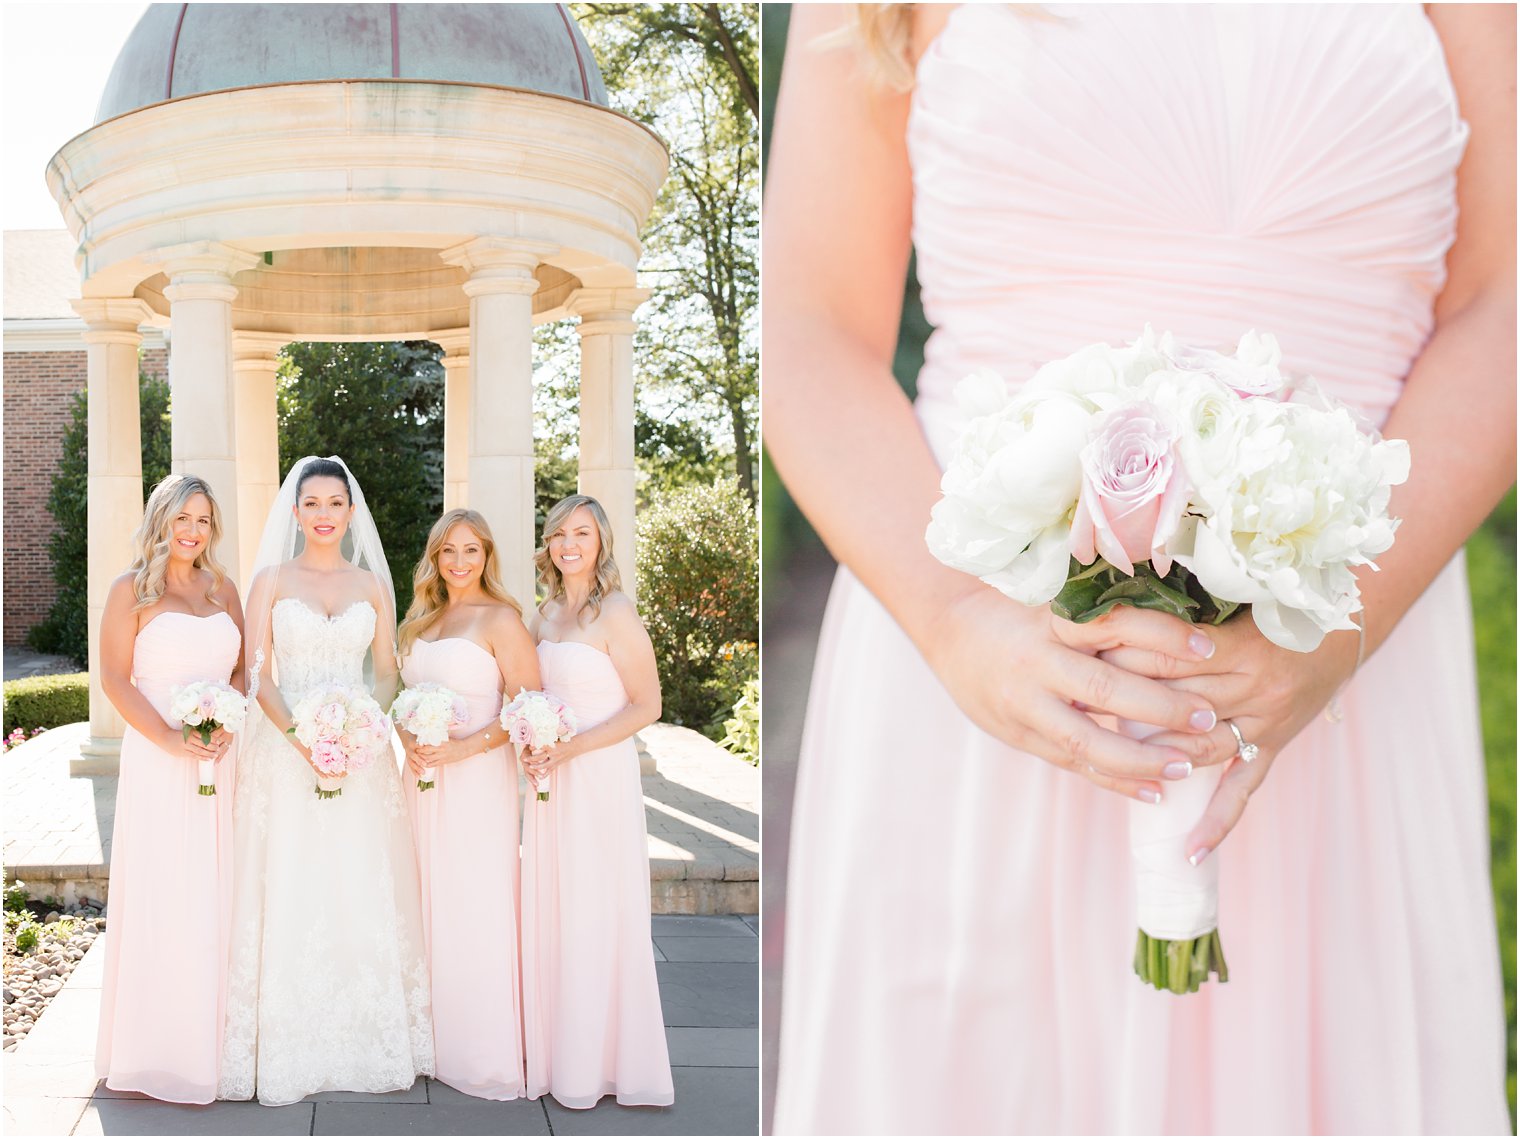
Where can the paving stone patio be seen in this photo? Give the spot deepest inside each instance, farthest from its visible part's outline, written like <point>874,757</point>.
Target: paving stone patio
<point>708,969</point>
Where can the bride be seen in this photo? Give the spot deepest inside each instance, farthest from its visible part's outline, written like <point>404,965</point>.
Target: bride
<point>327,988</point>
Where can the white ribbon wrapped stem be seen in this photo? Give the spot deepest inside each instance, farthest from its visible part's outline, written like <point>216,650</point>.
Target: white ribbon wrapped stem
<point>1174,900</point>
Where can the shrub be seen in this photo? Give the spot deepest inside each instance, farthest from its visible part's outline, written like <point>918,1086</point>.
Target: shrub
<point>63,630</point>
<point>28,937</point>
<point>47,701</point>
<point>699,593</point>
<point>743,728</point>
<point>15,897</point>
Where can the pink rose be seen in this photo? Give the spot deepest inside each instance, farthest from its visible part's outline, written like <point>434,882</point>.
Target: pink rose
<point>461,711</point>
<point>1134,490</point>
<point>208,705</point>
<point>521,732</point>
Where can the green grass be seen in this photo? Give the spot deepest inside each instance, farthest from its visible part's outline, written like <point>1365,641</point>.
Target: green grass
<point>1491,576</point>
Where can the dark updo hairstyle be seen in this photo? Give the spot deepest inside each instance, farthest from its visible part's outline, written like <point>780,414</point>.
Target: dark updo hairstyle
<point>325,468</point>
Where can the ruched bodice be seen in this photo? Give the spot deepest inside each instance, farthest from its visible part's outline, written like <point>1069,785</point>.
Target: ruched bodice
<point>464,668</point>
<point>311,648</point>
<point>583,677</point>
<point>175,649</point>
<point>1081,170</point>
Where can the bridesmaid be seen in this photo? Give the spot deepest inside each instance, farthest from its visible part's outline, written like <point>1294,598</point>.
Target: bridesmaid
<point>591,999</point>
<point>171,619</point>
<point>465,632</point>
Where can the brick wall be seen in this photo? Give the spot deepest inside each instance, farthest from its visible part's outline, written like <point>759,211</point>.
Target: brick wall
<point>39,387</point>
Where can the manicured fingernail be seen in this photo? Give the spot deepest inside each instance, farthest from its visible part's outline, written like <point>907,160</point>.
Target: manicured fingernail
<point>1201,645</point>
<point>1198,855</point>
<point>1148,795</point>
<point>1203,719</point>
<point>1176,770</point>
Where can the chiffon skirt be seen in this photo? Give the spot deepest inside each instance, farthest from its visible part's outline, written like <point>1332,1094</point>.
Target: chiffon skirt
<point>168,927</point>
<point>960,919</point>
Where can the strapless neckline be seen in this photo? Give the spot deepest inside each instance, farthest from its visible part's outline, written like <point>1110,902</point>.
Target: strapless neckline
<point>192,616</point>
<point>465,640</point>
<point>319,615</point>
<point>582,644</point>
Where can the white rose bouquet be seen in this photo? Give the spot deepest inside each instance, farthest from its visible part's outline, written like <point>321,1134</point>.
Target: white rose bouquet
<point>345,730</point>
<point>537,720</point>
<point>1181,479</point>
<point>430,712</point>
<point>202,707</point>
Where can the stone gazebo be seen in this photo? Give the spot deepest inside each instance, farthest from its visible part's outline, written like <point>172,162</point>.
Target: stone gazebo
<point>266,173</point>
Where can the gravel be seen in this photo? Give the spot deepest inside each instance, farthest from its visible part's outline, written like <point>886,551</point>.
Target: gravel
<point>32,979</point>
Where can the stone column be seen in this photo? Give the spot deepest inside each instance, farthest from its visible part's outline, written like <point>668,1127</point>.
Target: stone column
<point>115,488</point>
<point>456,418</point>
<point>606,426</point>
<point>500,288</point>
<point>203,437</point>
<point>255,361</point>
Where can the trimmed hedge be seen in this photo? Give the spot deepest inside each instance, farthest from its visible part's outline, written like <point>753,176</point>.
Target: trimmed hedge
<point>47,701</point>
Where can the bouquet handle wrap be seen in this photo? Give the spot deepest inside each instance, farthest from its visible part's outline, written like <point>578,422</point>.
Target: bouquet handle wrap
<point>426,780</point>
<point>1174,900</point>
<point>329,786</point>
<point>206,771</point>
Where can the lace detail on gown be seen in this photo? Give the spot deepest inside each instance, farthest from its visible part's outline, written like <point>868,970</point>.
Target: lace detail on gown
<point>328,983</point>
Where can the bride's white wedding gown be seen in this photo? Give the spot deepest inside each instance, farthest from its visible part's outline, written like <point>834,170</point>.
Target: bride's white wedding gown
<point>328,984</point>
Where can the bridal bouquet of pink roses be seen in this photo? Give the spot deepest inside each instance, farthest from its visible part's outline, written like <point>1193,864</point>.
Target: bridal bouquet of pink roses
<point>344,728</point>
<point>1180,479</point>
<point>202,707</point>
<point>430,712</point>
<point>537,720</point>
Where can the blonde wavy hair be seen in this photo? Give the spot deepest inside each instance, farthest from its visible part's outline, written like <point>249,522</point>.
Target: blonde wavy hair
<point>430,594</point>
<point>150,543</point>
<point>884,34</point>
<point>605,578</point>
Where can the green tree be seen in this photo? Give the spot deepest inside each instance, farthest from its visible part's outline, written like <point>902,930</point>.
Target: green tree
<point>700,597</point>
<point>64,630</point>
<point>380,408</point>
<point>688,71</point>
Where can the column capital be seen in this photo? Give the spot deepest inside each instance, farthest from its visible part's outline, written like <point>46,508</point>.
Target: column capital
<point>109,319</point>
<point>201,270</point>
<point>455,345</point>
<point>499,264</point>
<point>256,349</point>
<point>604,311</point>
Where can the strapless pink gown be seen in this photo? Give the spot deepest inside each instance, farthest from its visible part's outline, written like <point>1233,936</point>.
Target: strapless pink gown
<point>958,950</point>
<point>590,995</point>
<point>170,909</point>
<point>465,828</point>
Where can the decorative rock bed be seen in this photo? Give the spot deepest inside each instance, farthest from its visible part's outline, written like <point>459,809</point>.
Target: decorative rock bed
<point>36,973</point>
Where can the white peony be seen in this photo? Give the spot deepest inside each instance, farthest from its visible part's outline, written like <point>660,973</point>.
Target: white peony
<point>1014,478</point>
<point>1282,525</point>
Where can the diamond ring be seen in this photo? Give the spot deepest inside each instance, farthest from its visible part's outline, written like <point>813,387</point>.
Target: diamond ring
<point>1247,752</point>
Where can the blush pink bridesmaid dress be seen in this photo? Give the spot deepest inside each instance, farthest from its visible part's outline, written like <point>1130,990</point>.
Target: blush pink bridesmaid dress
<point>169,911</point>
<point>465,828</point>
<point>958,946</point>
<point>590,995</point>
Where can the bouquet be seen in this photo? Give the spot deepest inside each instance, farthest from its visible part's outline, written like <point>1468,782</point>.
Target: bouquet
<point>344,728</point>
<point>1180,479</point>
<point>430,712</point>
<point>202,707</point>
<point>537,720</point>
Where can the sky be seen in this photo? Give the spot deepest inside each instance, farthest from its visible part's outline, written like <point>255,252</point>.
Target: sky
<point>54,60</point>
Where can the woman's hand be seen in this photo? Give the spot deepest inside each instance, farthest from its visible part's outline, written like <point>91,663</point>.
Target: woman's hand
<point>175,742</point>
<point>221,740</point>
<point>538,764</point>
<point>1269,693</point>
<point>441,755</point>
<point>1027,677</point>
